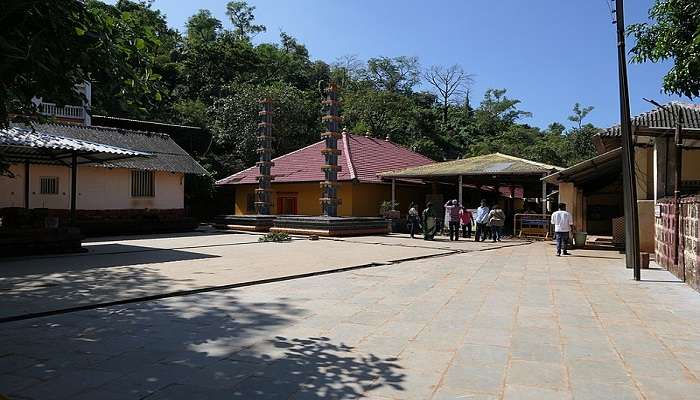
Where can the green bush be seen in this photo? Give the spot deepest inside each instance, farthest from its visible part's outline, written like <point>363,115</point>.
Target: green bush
<point>275,237</point>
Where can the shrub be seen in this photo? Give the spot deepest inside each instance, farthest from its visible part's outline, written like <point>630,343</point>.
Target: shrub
<point>275,237</point>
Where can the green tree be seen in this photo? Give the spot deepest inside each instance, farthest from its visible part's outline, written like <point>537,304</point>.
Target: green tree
<point>674,33</point>
<point>242,17</point>
<point>579,113</point>
<point>73,46</point>
<point>140,55</point>
<point>397,75</point>
<point>234,118</point>
<point>203,27</point>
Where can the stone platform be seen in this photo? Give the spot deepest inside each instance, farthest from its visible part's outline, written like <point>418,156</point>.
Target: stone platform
<point>252,223</point>
<point>331,226</point>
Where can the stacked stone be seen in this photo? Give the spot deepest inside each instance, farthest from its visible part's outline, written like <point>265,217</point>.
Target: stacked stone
<point>329,198</point>
<point>262,193</point>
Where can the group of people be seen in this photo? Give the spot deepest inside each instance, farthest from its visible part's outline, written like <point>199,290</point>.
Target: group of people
<point>489,221</point>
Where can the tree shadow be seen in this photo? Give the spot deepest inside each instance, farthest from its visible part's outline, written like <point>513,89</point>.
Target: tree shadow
<point>47,284</point>
<point>231,344</point>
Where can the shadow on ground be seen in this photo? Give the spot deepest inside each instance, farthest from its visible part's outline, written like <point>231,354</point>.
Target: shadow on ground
<point>206,346</point>
<point>62,282</point>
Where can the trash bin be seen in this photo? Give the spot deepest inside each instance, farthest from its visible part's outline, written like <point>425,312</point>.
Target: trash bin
<point>580,239</point>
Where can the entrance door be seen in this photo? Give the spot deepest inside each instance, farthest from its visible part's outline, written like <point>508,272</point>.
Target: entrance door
<point>287,204</point>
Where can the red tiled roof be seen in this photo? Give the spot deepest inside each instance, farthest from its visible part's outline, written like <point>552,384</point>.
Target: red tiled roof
<point>362,158</point>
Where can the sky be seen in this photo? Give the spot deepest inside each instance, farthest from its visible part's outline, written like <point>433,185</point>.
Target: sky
<point>549,54</point>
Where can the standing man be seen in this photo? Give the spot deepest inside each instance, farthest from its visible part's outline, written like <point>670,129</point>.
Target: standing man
<point>452,216</point>
<point>563,224</point>
<point>413,220</point>
<point>497,218</point>
<point>482,218</point>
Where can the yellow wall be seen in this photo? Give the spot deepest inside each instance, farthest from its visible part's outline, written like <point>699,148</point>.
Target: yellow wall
<point>691,165</point>
<point>647,225</point>
<point>356,199</point>
<point>644,172</point>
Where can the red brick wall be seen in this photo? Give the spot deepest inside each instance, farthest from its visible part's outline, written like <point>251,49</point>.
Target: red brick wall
<point>687,266</point>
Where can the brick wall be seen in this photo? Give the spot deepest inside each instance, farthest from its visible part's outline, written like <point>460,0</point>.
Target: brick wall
<point>689,251</point>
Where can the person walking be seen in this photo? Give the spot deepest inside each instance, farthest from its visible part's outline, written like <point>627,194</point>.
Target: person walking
<point>481,219</point>
<point>563,225</point>
<point>429,223</point>
<point>452,212</point>
<point>465,218</point>
<point>413,220</point>
<point>497,218</point>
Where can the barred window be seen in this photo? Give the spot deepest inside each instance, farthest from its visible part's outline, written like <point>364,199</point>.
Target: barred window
<point>49,185</point>
<point>143,184</point>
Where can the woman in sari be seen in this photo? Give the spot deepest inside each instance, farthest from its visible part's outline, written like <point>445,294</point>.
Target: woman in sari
<point>429,222</point>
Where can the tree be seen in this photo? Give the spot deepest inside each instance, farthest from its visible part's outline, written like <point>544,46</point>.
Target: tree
<point>234,121</point>
<point>141,45</point>
<point>579,114</point>
<point>450,83</point>
<point>203,27</point>
<point>673,34</point>
<point>242,17</point>
<point>397,75</point>
<point>48,47</point>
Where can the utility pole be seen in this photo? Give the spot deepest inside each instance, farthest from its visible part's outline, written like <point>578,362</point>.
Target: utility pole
<point>628,180</point>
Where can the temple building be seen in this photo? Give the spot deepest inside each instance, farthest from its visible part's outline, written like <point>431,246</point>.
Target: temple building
<point>295,189</point>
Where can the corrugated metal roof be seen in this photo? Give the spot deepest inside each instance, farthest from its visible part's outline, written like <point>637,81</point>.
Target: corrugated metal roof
<point>587,170</point>
<point>166,155</point>
<point>490,164</point>
<point>662,118</point>
<point>19,145</point>
<point>362,159</point>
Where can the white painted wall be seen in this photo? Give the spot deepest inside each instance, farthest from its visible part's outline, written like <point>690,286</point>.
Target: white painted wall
<point>98,189</point>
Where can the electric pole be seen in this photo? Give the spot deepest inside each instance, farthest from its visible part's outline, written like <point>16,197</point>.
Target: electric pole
<point>628,180</point>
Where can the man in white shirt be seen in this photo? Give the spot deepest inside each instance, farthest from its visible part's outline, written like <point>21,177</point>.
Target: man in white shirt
<point>563,224</point>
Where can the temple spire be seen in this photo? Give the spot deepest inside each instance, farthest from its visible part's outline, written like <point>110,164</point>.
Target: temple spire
<point>264,137</point>
<point>329,198</point>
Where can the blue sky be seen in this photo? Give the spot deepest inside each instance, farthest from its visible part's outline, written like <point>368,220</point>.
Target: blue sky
<point>547,53</point>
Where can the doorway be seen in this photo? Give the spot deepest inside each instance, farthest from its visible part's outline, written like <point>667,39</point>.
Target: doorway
<point>287,204</point>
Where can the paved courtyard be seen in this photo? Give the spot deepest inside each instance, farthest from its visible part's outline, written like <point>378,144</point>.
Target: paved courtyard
<point>504,323</point>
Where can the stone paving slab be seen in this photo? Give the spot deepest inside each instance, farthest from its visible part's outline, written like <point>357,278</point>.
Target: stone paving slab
<point>512,323</point>
<point>114,270</point>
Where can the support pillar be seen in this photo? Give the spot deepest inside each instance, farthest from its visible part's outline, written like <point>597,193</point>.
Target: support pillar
<point>544,196</point>
<point>265,164</point>
<point>27,184</point>
<point>329,198</point>
<point>460,190</point>
<point>73,185</point>
<point>393,195</point>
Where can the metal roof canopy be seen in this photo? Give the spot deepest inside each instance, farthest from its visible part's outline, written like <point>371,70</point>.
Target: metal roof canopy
<point>26,146</point>
<point>493,170</point>
<point>589,170</point>
<point>489,167</point>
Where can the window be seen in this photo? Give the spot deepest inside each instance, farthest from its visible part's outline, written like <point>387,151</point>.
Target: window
<point>49,185</point>
<point>143,184</point>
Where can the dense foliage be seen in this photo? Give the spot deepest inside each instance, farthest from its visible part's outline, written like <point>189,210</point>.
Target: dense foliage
<point>212,77</point>
<point>674,34</point>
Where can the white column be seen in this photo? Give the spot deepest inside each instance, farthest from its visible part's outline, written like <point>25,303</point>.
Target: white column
<point>393,195</point>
